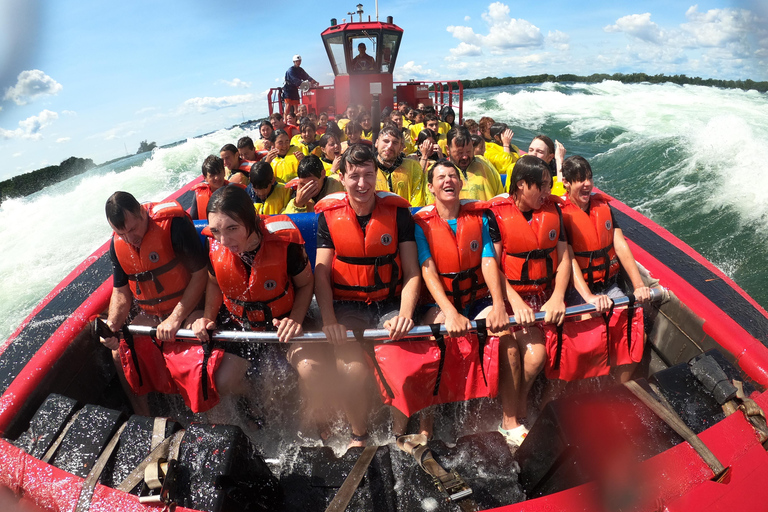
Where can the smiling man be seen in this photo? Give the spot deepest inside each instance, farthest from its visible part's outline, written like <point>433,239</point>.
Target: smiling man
<point>481,180</point>
<point>366,273</point>
<point>397,174</point>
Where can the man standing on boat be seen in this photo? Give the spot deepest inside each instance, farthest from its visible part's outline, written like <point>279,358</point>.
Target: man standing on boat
<point>158,260</point>
<point>367,273</point>
<point>293,79</point>
<point>480,180</point>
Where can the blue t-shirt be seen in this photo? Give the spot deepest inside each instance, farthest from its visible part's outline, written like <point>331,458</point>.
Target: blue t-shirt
<point>423,246</point>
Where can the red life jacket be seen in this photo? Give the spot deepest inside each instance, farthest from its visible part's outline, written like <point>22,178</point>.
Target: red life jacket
<point>159,275</point>
<point>366,266</point>
<point>202,196</point>
<point>530,249</point>
<point>265,292</point>
<point>591,237</point>
<point>458,257</point>
<point>413,375</point>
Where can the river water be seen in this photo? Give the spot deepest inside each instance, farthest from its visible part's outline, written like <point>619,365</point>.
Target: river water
<point>690,158</point>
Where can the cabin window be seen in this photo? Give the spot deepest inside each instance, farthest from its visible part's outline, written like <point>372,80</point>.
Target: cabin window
<point>335,46</point>
<point>363,60</point>
<point>389,51</point>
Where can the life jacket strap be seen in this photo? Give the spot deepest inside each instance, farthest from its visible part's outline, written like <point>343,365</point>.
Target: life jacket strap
<point>377,262</point>
<point>440,340</point>
<point>536,254</point>
<point>152,275</point>
<point>603,267</point>
<point>456,291</point>
<point>262,306</point>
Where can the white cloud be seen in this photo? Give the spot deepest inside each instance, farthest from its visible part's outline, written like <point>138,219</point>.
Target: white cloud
<point>504,33</point>
<point>69,112</point>
<point>466,50</point>
<point>30,127</point>
<point>63,139</point>
<point>30,85</point>
<point>718,27</point>
<point>560,41</point>
<point>467,18</point>
<point>208,103</point>
<point>412,70</point>
<point>236,83</point>
<point>639,26</point>
<point>17,155</point>
<point>144,110</point>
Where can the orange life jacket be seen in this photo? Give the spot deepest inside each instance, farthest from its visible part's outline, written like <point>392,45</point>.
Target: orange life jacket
<point>530,249</point>
<point>202,196</point>
<point>265,292</point>
<point>591,237</point>
<point>366,266</point>
<point>458,257</point>
<point>159,275</point>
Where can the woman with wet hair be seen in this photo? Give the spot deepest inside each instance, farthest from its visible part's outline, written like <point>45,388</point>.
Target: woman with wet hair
<point>260,272</point>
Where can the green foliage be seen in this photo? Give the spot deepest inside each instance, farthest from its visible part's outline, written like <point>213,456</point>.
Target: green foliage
<point>31,182</point>
<point>632,78</point>
<point>144,147</point>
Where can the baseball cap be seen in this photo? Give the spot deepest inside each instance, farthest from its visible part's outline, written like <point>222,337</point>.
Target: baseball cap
<point>296,57</point>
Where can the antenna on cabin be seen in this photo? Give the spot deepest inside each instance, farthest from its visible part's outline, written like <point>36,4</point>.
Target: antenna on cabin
<point>360,12</point>
<point>377,10</point>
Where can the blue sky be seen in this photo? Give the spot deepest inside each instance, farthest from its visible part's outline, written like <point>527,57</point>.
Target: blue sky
<point>92,79</point>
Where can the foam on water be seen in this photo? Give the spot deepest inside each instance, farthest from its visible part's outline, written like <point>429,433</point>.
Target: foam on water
<point>691,158</point>
<point>46,235</point>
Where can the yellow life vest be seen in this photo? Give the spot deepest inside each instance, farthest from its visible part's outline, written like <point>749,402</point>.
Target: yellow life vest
<point>501,160</point>
<point>285,167</point>
<point>408,181</point>
<point>275,201</point>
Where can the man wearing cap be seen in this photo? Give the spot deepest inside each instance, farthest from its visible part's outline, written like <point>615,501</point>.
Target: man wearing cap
<point>293,78</point>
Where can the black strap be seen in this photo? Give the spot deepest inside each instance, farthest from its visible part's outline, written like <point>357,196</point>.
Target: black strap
<point>152,275</point>
<point>128,337</point>
<point>158,300</point>
<point>482,338</point>
<point>376,261</point>
<point>207,350</point>
<point>536,254</point>
<point>262,306</point>
<point>607,319</point>
<point>630,316</point>
<point>559,351</point>
<point>456,292</point>
<point>367,345</point>
<point>591,268</point>
<point>440,340</point>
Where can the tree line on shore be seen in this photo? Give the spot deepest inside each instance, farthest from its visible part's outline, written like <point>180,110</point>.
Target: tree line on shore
<point>34,181</point>
<point>631,78</point>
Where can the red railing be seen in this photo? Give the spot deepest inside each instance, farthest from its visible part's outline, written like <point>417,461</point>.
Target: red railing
<point>447,93</point>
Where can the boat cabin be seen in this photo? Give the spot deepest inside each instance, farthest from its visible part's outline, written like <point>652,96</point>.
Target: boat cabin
<point>362,55</point>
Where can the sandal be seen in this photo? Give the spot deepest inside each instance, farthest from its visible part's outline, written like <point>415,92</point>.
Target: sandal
<point>514,436</point>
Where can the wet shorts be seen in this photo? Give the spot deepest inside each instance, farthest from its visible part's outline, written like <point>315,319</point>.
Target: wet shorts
<point>172,367</point>
<point>361,315</point>
<point>573,297</point>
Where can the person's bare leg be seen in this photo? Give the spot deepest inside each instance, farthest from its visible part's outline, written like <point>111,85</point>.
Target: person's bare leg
<point>533,353</point>
<point>509,381</point>
<point>353,371</point>
<point>317,376</point>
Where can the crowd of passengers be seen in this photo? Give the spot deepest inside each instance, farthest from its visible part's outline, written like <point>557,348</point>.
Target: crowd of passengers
<point>474,250</point>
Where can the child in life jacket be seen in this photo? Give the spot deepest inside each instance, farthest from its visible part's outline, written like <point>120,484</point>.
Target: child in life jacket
<point>531,242</point>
